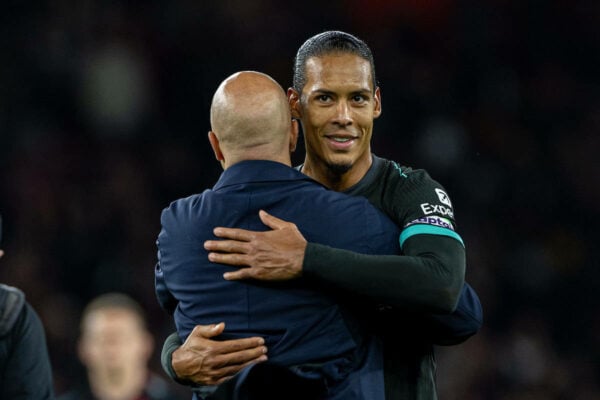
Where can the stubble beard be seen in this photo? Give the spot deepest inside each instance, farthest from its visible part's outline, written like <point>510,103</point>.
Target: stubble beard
<point>336,171</point>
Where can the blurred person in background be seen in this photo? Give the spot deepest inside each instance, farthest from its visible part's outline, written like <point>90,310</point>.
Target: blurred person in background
<point>115,347</point>
<point>25,371</point>
<point>336,98</point>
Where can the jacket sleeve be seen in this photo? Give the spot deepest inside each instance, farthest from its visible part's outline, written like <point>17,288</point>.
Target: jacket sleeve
<point>163,295</point>
<point>455,328</point>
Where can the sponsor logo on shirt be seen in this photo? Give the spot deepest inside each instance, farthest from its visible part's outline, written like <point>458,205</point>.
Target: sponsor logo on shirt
<point>437,209</point>
<point>444,199</point>
<point>436,221</point>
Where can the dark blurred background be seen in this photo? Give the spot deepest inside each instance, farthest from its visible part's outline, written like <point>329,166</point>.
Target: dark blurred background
<point>104,117</point>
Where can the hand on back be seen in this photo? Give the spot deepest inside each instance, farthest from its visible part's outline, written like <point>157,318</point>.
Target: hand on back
<point>276,254</point>
<point>204,361</point>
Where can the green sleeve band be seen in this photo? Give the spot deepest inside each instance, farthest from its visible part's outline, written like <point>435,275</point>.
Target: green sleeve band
<point>428,230</point>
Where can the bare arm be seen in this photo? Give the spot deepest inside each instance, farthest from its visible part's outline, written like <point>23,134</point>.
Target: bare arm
<point>203,361</point>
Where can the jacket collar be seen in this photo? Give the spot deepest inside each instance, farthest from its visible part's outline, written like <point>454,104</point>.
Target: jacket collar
<point>253,171</point>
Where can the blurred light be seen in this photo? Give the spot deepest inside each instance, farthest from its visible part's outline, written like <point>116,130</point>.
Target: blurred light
<point>442,143</point>
<point>115,90</point>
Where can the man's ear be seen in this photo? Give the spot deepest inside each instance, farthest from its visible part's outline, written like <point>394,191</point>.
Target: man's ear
<point>377,107</point>
<point>214,143</point>
<point>294,135</point>
<point>294,102</point>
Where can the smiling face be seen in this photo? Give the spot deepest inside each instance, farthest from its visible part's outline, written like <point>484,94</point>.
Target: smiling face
<point>337,108</point>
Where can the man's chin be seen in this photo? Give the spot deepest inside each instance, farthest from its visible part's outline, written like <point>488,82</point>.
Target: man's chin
<point>339,168</point>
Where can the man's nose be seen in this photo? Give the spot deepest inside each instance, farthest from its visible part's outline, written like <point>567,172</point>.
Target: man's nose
<point>343,114</point>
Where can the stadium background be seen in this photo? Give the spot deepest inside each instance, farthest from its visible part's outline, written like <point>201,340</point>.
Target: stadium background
<point>103,121</point>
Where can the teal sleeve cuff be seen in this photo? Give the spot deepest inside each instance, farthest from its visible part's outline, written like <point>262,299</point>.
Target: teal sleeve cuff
<point>423,229</point>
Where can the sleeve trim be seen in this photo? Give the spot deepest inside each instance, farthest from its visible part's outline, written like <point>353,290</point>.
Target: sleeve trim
<point>428,230</point>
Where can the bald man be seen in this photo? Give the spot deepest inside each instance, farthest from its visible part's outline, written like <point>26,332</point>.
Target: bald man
<point>309,332</point>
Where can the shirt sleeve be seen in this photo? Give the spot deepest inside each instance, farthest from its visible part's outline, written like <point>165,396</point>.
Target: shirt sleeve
<point>172,343</point>
<point>418,290</point>
<point>428,277</point>
<point>455,328</point>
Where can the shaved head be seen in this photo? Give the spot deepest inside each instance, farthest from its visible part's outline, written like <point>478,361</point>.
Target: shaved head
<point>250,114</point>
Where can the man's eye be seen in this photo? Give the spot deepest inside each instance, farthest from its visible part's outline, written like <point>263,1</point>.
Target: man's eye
<point>323,97</point>
<point>359,98</point>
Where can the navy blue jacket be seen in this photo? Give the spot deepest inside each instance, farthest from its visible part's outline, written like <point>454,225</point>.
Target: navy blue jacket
<point>302,325</point>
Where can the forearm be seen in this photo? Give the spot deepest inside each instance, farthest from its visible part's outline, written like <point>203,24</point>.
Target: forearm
<point>428,277</point>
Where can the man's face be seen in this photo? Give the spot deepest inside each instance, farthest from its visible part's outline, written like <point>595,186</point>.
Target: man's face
<point>337,107</point>
<point>114,340</point>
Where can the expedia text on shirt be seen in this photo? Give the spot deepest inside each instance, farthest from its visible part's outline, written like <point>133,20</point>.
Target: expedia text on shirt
<point>437,209</point>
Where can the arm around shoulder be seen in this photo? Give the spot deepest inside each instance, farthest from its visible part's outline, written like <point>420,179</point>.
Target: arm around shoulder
<point>428,277</point>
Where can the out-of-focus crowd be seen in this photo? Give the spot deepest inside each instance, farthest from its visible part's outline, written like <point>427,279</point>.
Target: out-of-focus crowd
<point>104,120</point>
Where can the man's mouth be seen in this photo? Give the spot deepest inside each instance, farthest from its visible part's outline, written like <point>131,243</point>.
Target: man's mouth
<point>340,142</point>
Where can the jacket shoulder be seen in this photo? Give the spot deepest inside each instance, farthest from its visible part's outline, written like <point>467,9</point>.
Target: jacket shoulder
<point>11,304</point>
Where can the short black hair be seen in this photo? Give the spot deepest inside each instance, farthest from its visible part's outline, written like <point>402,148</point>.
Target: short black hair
<point>327,43</point>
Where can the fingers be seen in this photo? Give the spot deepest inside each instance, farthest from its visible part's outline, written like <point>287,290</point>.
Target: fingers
<point>227,360</point>
<point>245,273</point>
<point>227,252</point>
<point>242,235</point>
<point>239,260</point>
<point>208,331</point>
<point>246,349</point>
<point>226,246</point>
<point>255,344</point>
<point>240,357</point>
<point>271,221</point>
<point>206,361</point>
<point>217,369</point>
<point>228,372</point>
